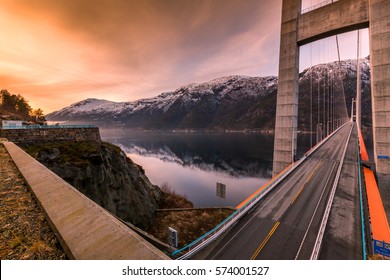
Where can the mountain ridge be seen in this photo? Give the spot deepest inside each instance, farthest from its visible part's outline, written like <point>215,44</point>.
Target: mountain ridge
<point>231,102</point>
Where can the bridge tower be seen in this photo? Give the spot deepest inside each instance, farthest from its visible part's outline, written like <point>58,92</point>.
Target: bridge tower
<point>298,29</point>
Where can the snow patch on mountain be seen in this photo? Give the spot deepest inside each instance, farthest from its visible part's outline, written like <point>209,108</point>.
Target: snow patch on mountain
<point>189,94</point>
<point>335,70</point>
<point>231,102</point>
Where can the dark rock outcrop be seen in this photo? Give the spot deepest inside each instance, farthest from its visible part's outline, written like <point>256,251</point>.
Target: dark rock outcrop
<point>106,175</point>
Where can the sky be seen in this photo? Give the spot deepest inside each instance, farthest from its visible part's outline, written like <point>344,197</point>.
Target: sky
<point>55,53</point>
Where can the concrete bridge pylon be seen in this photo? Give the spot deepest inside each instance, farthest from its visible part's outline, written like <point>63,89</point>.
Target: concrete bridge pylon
<point>298,29</point>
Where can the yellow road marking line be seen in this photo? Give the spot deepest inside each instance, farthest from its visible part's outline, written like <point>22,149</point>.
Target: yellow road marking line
<point>304,185</point>
<point>265,241</point>
<point>292,202</point>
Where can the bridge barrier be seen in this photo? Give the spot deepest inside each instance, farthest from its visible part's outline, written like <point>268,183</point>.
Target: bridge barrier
<point>198,244</point>
<point>379,223</point>
<point>363,151</point>
<point>210,236</point>
<point>361,202</point>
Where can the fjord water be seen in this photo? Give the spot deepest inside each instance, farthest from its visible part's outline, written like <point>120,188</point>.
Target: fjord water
<point>192,163</point>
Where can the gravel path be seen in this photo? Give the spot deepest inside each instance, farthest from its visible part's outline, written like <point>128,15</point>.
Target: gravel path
<point>24,231</point>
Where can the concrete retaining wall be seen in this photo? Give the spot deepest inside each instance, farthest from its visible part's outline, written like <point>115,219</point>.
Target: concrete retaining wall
<point>39,135</point>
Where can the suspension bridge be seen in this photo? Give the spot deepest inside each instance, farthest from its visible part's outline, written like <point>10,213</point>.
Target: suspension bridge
<point>331,203</point>
<point>327,204</point>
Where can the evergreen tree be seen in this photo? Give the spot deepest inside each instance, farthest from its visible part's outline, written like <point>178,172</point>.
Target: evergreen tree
<point>18,105</point>
<point>8,101</point>
<point>38,115</point>
<point>22,107</point>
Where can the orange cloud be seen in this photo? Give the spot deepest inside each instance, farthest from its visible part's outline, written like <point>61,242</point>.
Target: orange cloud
<point>59,52</point>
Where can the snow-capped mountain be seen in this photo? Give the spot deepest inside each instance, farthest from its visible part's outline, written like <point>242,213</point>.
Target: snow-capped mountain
<point>233,102</point>
<point>228,102</point>
<point>318,77</point>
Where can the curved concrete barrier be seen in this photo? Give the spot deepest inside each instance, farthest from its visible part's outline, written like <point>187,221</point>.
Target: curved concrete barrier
<point>85,229</point>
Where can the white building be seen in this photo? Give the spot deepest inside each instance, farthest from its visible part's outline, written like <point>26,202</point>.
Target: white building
<point>11,124</point>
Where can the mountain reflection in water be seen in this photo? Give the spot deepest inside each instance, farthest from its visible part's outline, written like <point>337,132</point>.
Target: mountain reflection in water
<point>192,163</point>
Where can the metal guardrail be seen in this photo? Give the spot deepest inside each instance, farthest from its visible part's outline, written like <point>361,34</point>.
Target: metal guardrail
<point>46,126</point>
<point>361,203</point>
<point>210,236</point>
<point>325,217</point>
<point>319,5</point>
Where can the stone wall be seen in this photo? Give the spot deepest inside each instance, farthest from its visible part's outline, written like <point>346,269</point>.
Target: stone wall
<point>39,135</point>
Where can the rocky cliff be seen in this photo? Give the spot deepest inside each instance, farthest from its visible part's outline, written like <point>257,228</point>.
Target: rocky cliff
<point>106,175</point>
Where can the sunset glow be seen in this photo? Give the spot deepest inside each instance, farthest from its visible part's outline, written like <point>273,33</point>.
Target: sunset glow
<point>59,52</point>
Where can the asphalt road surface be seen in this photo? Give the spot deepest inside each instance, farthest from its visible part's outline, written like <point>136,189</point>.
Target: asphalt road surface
<point>285,224</point>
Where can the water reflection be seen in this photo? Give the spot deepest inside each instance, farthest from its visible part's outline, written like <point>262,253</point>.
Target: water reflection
<point>192,163</point>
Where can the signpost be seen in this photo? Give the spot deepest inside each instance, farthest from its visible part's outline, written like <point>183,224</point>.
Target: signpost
<point>221,192</point>
<point>173,239</point>
<point>382,248</point>
<point>383,157</point>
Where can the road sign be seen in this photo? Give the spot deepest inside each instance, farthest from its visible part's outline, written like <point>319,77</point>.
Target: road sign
<point>173,239</point>
<point>382,248</point>
<point>221,190</point>
<point>382,157</point>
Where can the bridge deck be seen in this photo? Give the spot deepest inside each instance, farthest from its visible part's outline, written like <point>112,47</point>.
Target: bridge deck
<point>342,239</point>
<point>85,230</point>
<point>285,224</point>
